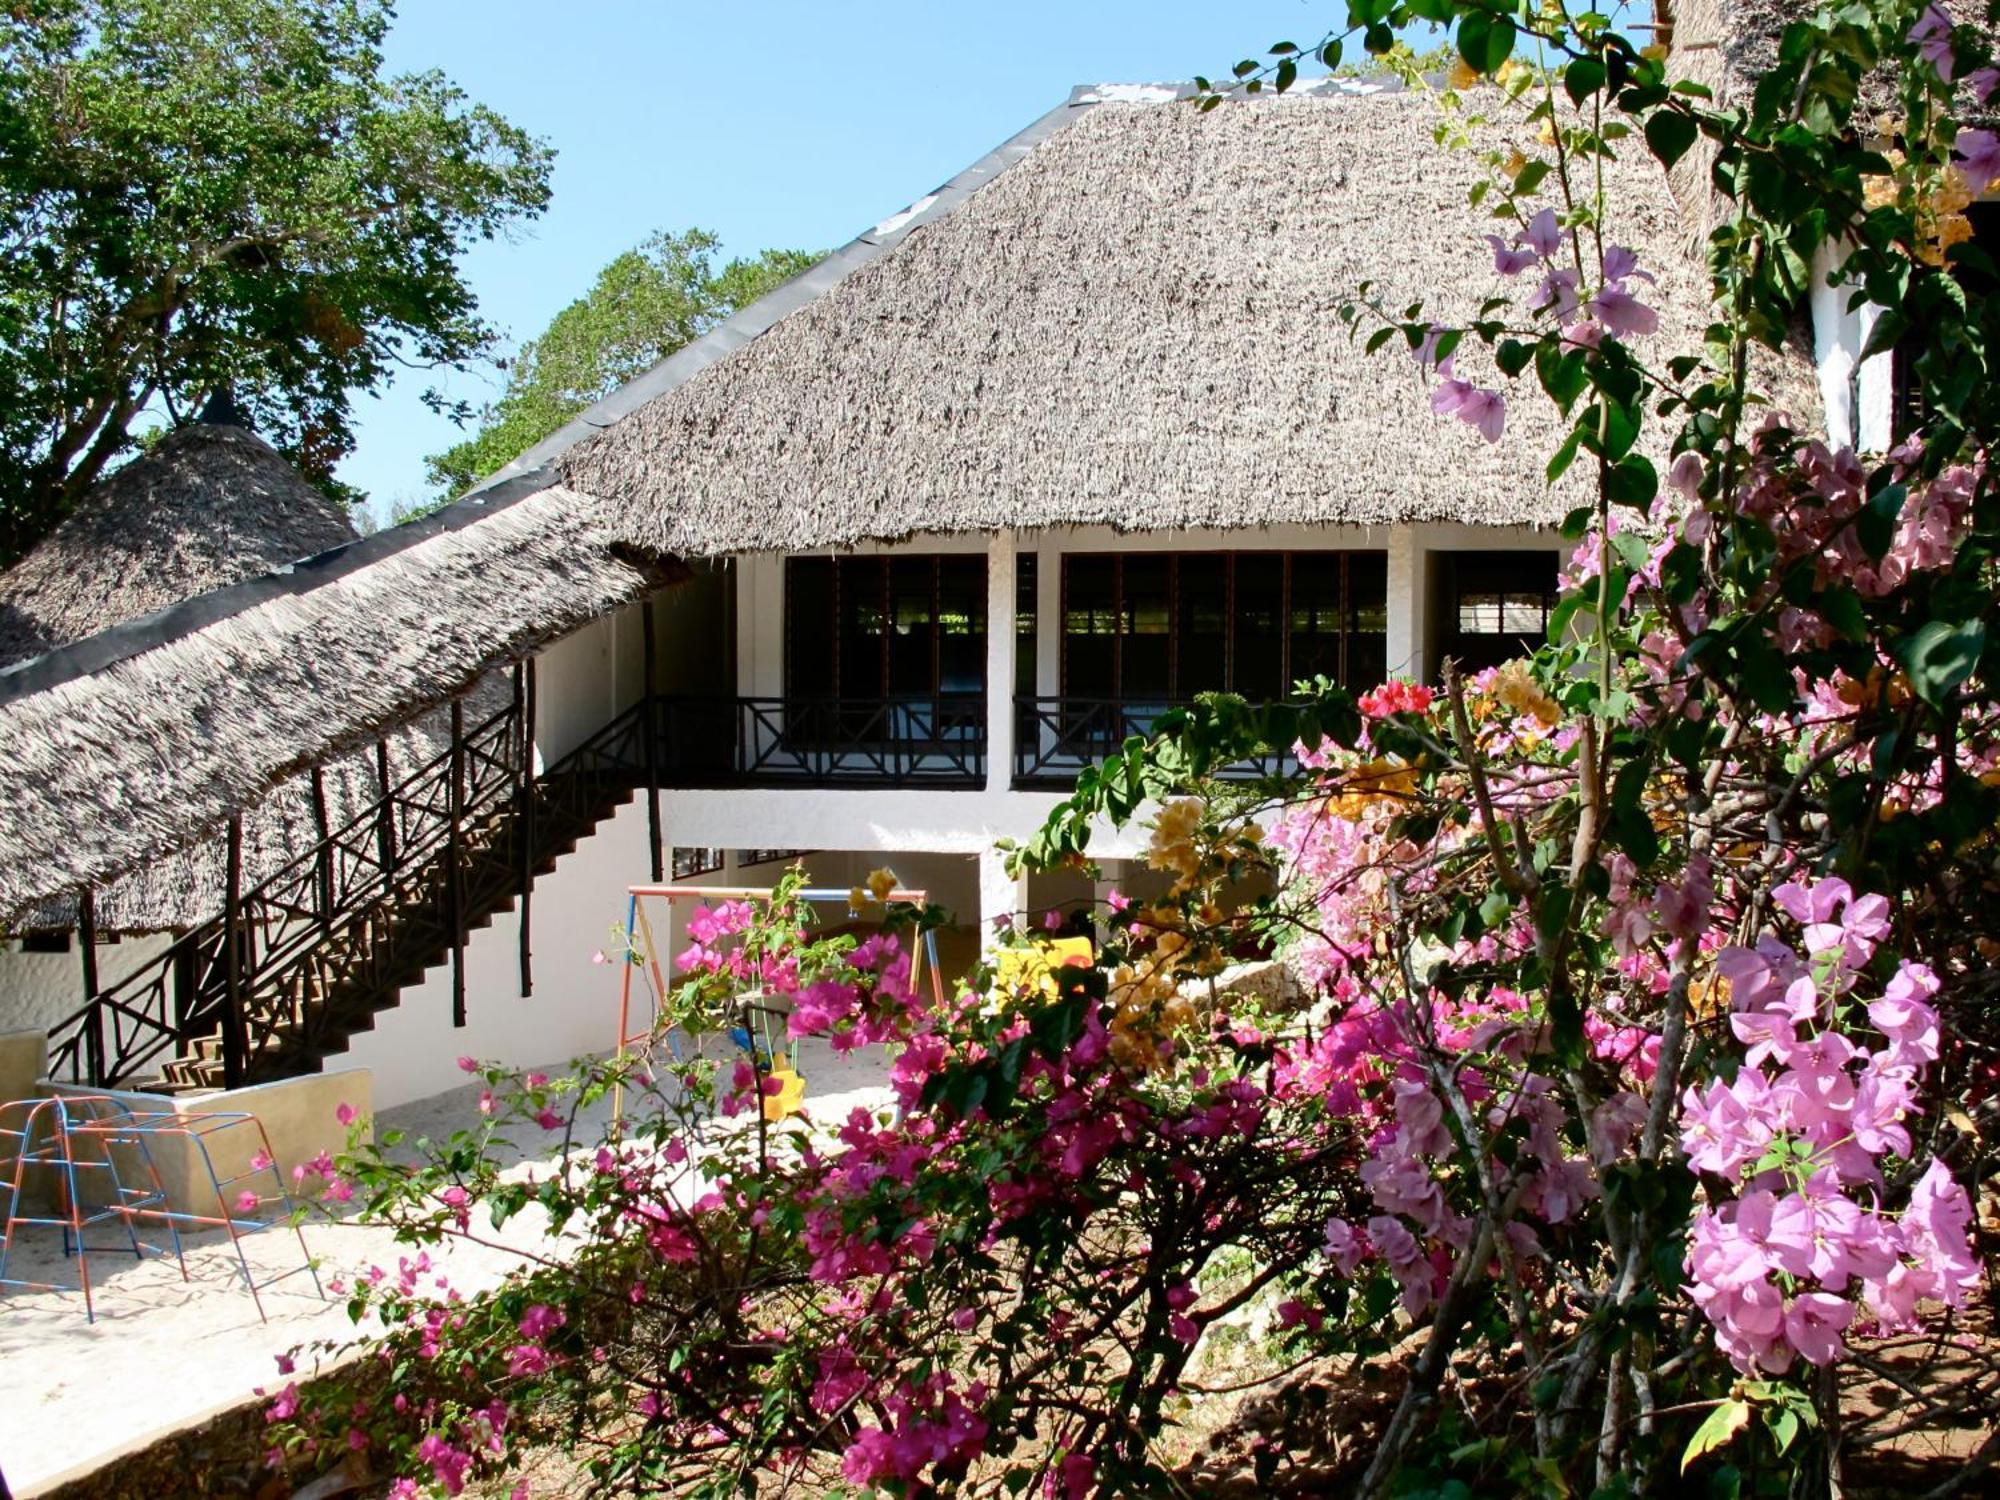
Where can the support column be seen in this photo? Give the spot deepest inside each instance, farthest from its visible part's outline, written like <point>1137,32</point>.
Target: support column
<point>651,744</point>
<point>455,858</point>
<point>95,1069</point>
<point>1000,894</point>
<point>1048,622</point>
<point>1000,648</point>
<point>525,680</point>
<point>235,1034</point>
<point>1409,603</point>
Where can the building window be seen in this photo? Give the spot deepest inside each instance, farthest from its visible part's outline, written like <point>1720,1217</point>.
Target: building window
<point>885,627</point>
<point>1490,606</point>
<point>1146,627</point>
<point>689,863</point>
<point>45,941</point>
<point>769,856</point>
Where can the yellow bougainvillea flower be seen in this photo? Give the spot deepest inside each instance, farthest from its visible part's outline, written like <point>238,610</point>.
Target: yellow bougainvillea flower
<point>1463,75</point>
<point>1370,783</point>
<point>881,882</point>
<point>1172,848</point>
<point>1514,686</point>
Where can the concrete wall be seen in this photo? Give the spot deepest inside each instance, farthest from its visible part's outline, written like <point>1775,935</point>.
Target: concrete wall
<point>412,1050</point>
<point>39,989</point>
<point>24,1058</point>
<point>299,1118</point>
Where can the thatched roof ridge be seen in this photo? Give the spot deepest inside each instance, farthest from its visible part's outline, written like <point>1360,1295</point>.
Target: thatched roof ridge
<point>207,506</point>
<point>1132,325</point>
<point>115,763</point>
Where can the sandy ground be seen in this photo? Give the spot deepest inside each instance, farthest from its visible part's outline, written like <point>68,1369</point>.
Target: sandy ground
<point>165,1354</point>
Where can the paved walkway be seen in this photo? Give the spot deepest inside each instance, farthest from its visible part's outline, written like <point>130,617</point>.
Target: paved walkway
<point>164,1354</point>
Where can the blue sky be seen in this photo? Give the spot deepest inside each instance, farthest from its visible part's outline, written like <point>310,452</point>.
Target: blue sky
<point>773,125</point>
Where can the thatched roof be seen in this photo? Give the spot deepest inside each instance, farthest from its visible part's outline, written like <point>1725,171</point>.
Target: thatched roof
<point>142,740</point>
<point>1132,325</point>
<point>209,505</point>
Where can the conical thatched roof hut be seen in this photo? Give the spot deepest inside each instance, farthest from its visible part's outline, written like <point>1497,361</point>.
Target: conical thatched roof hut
<point>207,506</point>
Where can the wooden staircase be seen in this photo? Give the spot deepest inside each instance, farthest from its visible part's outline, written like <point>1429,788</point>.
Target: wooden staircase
<point>310,1009</point>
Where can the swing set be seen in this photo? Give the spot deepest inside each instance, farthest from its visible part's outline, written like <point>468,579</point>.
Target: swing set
<point>762,1044</point>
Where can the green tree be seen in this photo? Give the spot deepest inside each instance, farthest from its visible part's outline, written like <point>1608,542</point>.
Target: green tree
<point>206,193</point>
<point>643,306</point>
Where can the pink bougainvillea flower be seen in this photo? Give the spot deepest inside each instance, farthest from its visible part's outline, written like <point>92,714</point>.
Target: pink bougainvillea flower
<point>1509,260</point>
<point>1485,411</point>
<point>1978,158</point>
<point>1814,1322</point>
<point>468,1064</point>
<point>1932,34</point>
<point>1983,82</point>
<point>247,1202</point>
<point>1622,314</point>
<point>1543,235</point>
<point>345,1114</point>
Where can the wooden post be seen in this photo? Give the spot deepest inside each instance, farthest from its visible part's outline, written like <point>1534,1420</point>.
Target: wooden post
<point>323,871</point>
<point>651,746</point>
<point>455,861</point>
<point>235,1047</point>
<point>528,801</point>
<point>86,936</point>
<point>385,823</point>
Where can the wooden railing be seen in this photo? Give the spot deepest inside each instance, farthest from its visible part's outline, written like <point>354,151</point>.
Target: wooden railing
<point>1056,737</point>
<point>933,741</point>
<point>451,841</point>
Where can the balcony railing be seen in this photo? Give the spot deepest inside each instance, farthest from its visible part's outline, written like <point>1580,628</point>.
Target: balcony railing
<point>937,742</point>
<point>822,742</point>
<point>1056,737</point>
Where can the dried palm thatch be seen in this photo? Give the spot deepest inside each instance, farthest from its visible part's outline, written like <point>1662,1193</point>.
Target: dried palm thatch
<point>1727,45</point>
<point>208,506</point>
<point>1135,326</point>
<point>143,744</point>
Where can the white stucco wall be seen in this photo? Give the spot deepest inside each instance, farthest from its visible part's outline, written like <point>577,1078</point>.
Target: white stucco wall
<point>413,1049</point>
<point>39,989</point>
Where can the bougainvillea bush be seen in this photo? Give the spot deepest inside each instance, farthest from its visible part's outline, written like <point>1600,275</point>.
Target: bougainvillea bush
<point>1629,1110</point>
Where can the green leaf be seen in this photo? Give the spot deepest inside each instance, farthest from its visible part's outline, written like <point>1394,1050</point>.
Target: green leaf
<point>1583,78</point>
<point>1669,134</point>
<point>1329,55</point>
<point>1530,177</point>
<point>1722,1425</point>
<point>1941,656</point>
<point>1485,42</point>
<point>1633,481</point>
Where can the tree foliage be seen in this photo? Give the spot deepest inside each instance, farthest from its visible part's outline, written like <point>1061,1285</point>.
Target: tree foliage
<point>203,194</point>
<point>643,306</point>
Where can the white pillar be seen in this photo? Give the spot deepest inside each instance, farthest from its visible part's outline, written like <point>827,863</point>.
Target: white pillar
<point>1875,390</point>
<point>1836,335</point>
<point>1000,648</point>
<point>1408,603</point>
<point>1048,621</point>
<point>1000,894</point>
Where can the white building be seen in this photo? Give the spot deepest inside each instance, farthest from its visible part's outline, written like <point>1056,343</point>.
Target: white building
<point>1097,391</point>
